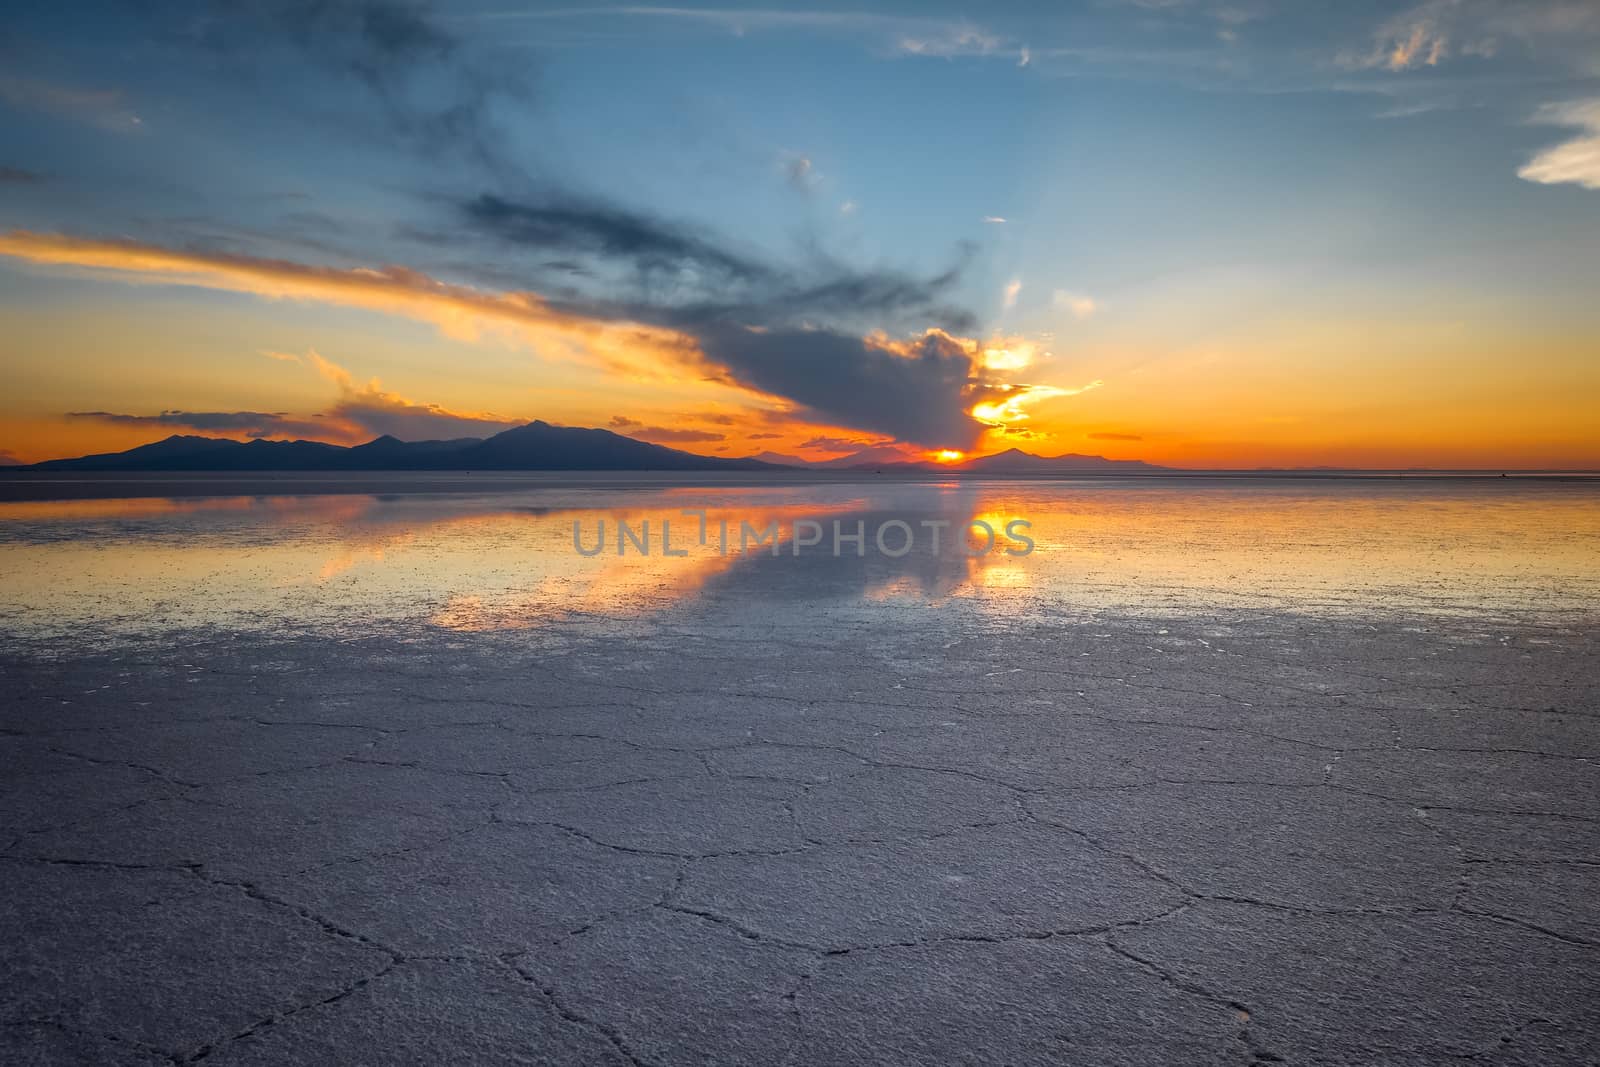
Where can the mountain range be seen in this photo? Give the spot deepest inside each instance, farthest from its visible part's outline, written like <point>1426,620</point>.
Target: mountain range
<point>1011,461</point>
<point>535,446</point>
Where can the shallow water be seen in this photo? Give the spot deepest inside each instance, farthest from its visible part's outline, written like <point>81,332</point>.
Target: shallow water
<point>506,559</point>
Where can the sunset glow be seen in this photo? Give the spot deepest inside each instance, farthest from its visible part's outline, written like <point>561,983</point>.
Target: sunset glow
<point>1317,292</point>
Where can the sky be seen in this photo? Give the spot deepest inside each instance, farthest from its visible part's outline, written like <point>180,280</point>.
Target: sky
<point>1202,233</point>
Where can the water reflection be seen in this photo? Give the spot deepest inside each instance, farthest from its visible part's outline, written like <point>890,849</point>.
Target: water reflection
<point>506,561</point>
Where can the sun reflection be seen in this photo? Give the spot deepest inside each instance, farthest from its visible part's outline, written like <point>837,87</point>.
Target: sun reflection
<point>505,561</point>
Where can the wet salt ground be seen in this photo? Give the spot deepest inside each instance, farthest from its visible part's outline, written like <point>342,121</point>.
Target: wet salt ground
<point>909,816</point>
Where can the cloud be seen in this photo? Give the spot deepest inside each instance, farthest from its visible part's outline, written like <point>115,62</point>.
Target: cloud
<point>901,34</point>
<point>1081,305</point>
<point>359,413</point>
<point>1005,353</point>
<point>1430,33</point>
<point>762,436</point>
<point>410,61</point>
<point>253,424</point>
<point>1115,437</point>
<point>994,220</point>
<point>826,443</point>
<point>1008,296</point>
<point>948,40</point>
<point>456,311</point>
<point>802,173</point>
<point>1575,161</point>
<point>1008,404</point>
<point>663,435</point>
<point>685,278</point>
<point>917,390</point>
<point>571,226</point>
<point>849,207</point>
<point>377,411</point>
<point>1420,44</point>
<point>102,108</point>
<point>19,176</point>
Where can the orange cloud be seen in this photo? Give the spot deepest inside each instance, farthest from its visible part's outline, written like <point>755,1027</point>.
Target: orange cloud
<point>456,311</point>
<point>928,395</point>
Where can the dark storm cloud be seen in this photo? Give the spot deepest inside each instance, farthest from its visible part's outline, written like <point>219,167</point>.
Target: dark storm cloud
<point>790,330</point>
<point>920,396</point>
<point>574,226</point>
<point>712,282</point>
<point>852,297</point>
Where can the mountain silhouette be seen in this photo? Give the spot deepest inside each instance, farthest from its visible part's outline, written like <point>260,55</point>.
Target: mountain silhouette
<point>1016,461</point>
<point>535,446</point>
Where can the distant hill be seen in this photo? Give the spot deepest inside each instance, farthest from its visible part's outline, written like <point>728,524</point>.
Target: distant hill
<point>1011,461</point>
<point>781,459</point>
<point>1016,461</point>
<point>538,446</point>
<point>535,446</point>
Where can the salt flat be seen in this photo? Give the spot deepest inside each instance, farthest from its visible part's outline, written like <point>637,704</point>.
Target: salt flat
<point>795,814</point>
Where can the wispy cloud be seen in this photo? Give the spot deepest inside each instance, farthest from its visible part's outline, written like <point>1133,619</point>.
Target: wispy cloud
<point>1008,296</point>
<point>1008,404</point>
<point>407,60</point>
<point>1430,33</point>
<point>376,411</point>
<point>802,173</point>
<point>571,225</point>
<point>1079,305</point>
<point>104,108</point>
<point>663,435</point>
<point>902,34</point>
<point>456,311</point>
<point>360,412</point>
<point>1576,160</point>
<point>253,424</point>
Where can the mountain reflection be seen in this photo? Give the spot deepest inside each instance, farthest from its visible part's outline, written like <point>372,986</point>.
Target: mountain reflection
<point>506,561</point>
